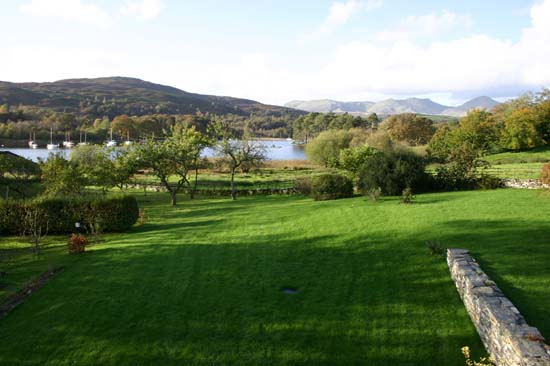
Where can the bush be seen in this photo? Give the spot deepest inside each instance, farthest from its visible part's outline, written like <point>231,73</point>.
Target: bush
<point>407,196</point>
<point>393,172</point>
<point>436,248</point>
<point>113,214</point>
<point>545,174</point>
<point>303,186</point>
<point>486,181</point>
<point>331,187</point>
<point>374,194</point>
<point>77,243</point>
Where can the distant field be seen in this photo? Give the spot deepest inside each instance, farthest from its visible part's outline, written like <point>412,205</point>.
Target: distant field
<point>201,284</point>
<point>517,171</point>
<point>537,155</point>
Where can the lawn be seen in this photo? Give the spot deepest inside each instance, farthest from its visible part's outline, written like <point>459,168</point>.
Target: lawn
<point>201,284</point>
<point>516,170</point>
<point>536,155</point>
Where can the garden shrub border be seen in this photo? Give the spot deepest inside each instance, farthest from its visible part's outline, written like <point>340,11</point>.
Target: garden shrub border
<point>112,214</point>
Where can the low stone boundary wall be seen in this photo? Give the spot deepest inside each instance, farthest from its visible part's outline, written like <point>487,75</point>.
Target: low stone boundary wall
<point>503,330</point>
<point>524,183</point>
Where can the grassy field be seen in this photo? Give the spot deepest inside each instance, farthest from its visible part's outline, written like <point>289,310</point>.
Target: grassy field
<point>272,175</point>
<point>200,284</point>
<point>516,171</point>
<point>537,155</point>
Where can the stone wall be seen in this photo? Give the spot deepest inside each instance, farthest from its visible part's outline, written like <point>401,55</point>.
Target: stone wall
<point>503,330</point>
<point>524,183</point>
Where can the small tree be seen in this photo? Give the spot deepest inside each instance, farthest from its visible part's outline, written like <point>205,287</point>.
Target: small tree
<point>236,153</point>
<point>61,176</point>
<point>352,159</point>
<point>176,156</point>
<point>409,127</point>
<point>35,222</point>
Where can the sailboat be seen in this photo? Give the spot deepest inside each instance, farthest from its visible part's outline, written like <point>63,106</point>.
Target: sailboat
<point>128,142</point>
<point>111,142</point>
<point>51,145</point>
<point>32,141</point>
<point>83,143</point>
<point>68,144</point>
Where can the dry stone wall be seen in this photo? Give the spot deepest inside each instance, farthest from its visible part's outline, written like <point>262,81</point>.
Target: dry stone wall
<point>524,183</point>
<point>503,330</point>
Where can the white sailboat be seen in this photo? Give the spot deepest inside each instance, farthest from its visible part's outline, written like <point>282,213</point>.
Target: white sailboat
<point>128,142</point>
<point>51,145</point>
<point>111,142</point>
<point>32,141</point>
<point>68,144</point>
<point>83,143</point>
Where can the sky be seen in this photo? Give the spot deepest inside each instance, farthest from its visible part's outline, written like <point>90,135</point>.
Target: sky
<point>275,51</point>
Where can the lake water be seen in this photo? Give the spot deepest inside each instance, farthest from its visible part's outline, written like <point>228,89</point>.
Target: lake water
<point>276,150</point>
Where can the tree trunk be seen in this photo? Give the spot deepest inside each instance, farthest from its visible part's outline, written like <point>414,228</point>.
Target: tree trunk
<point>233,190</point>
<point>194,189</point>
<point>173,193</point>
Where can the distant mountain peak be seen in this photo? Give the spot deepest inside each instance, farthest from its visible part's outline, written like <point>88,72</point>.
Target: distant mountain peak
<point>394,106</point>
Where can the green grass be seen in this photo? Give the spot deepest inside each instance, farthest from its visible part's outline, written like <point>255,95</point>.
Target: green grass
<point>200,284</point>
<point>275,177</point>
<point>536,155</point>
<point>516,171</point>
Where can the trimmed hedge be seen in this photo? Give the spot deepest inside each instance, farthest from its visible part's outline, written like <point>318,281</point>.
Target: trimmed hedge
<point>331,187</point>
<point>113,214</point>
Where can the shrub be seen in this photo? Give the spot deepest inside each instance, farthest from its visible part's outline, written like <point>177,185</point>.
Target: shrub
<point>374,194</point>
<point>486,181</point>
<point>330,187</point>
<point>435,247</point>
<point>393,172</point>
<point>407,196</point>
<point>77,243</point>
<point>303,186</point>
<point>113,214</point>
<point>545,174</point>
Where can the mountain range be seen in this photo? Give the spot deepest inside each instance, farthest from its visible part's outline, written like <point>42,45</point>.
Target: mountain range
<point>113,96</point>
<point>393,106</point>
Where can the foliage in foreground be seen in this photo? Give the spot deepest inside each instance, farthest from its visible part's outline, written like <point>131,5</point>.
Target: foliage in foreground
<point>59,215</point>
<point>330,187</point>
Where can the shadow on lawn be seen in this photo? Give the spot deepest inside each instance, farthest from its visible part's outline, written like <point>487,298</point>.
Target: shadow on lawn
<point>376,298</point>
<point>221,303</point>
<point>509,250</point>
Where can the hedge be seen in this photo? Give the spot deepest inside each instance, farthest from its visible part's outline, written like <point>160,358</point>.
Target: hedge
<point>113,214</point>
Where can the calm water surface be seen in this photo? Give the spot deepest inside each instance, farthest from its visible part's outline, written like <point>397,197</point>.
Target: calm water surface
<point>276,150</point>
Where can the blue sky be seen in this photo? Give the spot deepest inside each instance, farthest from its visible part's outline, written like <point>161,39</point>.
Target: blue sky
<point>277,51</point>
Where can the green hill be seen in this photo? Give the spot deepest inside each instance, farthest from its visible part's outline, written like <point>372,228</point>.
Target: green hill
<point>119,95</point>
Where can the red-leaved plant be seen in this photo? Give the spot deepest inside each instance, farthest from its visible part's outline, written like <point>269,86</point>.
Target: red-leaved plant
<point>77,243</point>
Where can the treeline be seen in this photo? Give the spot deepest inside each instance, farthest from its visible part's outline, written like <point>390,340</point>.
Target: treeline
<point>23,122</point>
<point>519,124</point>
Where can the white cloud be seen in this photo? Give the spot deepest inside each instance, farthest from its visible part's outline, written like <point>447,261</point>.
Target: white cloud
<point>340,13</point>
<point>428,25</point>
<point>475,64</point>
<point>71,10</point>
<point>367,69</point>
<point>144,9</point>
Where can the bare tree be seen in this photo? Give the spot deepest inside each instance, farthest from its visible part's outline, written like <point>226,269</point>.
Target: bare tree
<point>36,224</point>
